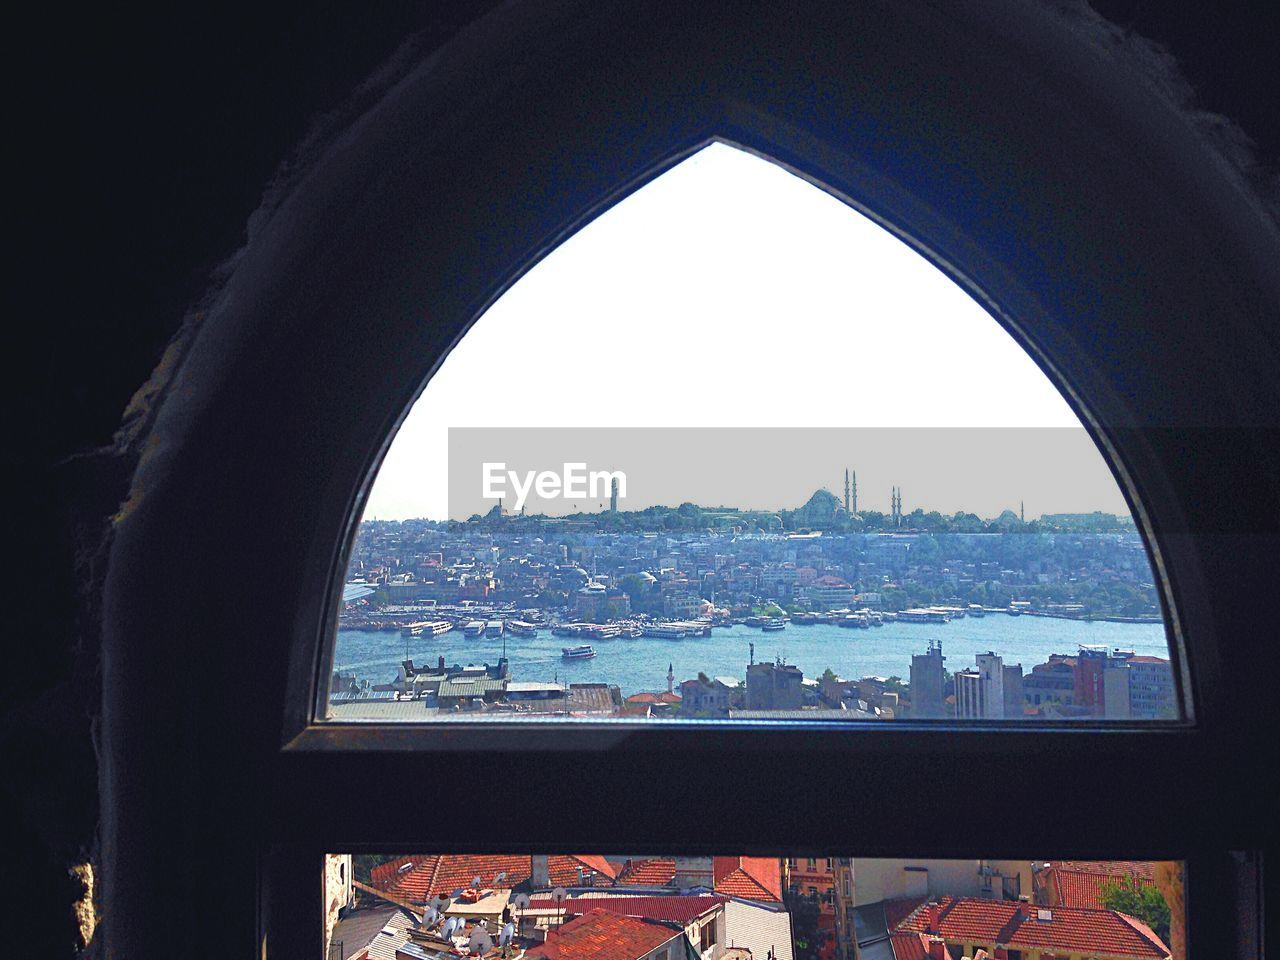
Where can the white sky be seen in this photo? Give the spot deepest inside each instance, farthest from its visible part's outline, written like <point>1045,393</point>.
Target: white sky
<point>727,292</point>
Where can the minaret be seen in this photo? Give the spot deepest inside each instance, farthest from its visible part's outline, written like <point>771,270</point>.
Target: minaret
<point>846,490</point>
<point>671,678</point>
<point>613,495</point>
<point>855,492</point>
<point>1022,510</point>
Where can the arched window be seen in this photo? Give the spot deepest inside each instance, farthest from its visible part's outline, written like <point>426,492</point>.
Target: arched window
<point>1036,173</point>
<point>603,505</point>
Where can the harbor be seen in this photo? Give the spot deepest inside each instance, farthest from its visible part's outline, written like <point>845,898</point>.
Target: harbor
<point>639,663</point>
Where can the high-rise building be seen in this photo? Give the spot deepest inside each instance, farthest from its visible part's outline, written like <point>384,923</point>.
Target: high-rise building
<point>989,690</point>
<point>927,683</point>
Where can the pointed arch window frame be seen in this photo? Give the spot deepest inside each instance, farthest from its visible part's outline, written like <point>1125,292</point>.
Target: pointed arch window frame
<point>308,686</point>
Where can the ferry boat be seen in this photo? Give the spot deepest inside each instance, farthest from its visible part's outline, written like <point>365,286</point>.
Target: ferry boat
<point>522,628</point>
<point>493,628</point>
<point>566,630</point>
<point>664,632</point>
<point>432,628</point>
<point>773,623</point>
<point>602,631</point>
<point>859,620</point>
<point>583,652</point>
<point>474,628</point>
<point>976,610</point>
<point>923,615</point>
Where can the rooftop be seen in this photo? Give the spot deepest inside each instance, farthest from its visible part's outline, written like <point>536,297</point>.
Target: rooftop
<point>604,936</point>
<point>1018,925</point>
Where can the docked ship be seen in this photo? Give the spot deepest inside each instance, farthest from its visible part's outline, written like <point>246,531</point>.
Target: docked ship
<point>977,610</point>
<point>432,628</point>
<point>567,630</point>
<point>493,628</point>
<point>665,632</point>
<point>772,624</point>
<point>474,628</point>
<point>583,652</point>
<point>859,620</point>
<point>522,628</point>
<point>602,631</point>
<point>923,615</point>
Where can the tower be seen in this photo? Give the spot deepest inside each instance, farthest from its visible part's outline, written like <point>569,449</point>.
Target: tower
<point>613,495</point>
<point>846,490</point>
<point>855,492</point>
<point>671,677</point>
<point>1022,510</point>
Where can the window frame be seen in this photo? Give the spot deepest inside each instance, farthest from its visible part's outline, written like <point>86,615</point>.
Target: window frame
<point>569,161</point>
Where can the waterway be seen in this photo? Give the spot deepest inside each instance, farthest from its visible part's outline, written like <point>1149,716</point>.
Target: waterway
<point>641,664</point>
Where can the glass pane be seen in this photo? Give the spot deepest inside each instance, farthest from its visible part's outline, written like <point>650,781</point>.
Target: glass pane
<point>582,907</point>
<point>734,451</point>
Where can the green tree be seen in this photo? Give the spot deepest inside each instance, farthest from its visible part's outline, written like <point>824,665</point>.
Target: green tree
<point>1138,900</point>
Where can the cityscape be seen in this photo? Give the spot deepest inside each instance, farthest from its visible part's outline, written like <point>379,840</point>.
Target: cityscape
<point>592,907</point>
<point>821,612</point>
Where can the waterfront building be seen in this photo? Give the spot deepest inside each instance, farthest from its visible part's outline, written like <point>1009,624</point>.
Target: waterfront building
<point>774,686</point>
<point>597,603</point>
<point>829,593</point>
<point>927,683</point>
<point>709,696</point>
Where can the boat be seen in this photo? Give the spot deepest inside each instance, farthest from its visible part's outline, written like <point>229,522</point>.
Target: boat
<point>474,628</point>
<point>522,628</point>
<point>432,628</point>
<point>602,631</point>
<point>566,630</point>
<point>583,652</point>
<point>924,615</point>
<point>493,628</point>
<point>976,610</point>
<point>665,632</point>
<point>859,620</point>
<point>772,624</point>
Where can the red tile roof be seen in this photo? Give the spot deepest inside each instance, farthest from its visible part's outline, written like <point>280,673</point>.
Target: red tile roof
<point>603,936</point>
<point>752,878</point>
<point>1082,884</point>
<point>420,877</point>
<point>1101,933</point>
<point>670,909</point>
<point>648,873</point>
<point>912,946</point>
<point>895,911</point>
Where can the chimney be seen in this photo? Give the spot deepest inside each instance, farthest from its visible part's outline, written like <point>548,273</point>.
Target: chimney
<point>440,664</point>
<point>938,949</point>
<point>540,877</point>
<point>932,916</point>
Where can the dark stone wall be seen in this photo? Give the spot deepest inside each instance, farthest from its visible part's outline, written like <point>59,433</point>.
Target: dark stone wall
<point>146,140</point>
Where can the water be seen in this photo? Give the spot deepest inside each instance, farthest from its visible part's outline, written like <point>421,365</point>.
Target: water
<point>640,664</point>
